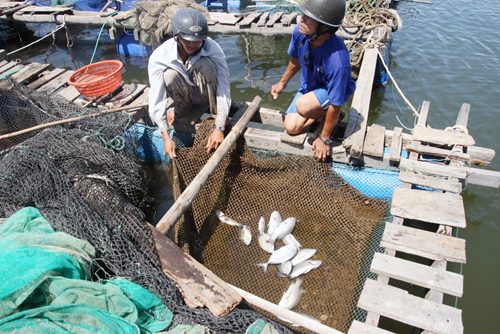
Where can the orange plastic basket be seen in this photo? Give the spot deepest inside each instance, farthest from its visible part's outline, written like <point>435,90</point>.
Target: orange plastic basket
<point>97,79</point>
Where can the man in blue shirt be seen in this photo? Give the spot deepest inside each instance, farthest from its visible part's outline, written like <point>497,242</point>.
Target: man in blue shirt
<point>326,82</point>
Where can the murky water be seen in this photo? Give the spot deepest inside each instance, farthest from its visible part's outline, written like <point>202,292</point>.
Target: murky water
<point>446,53</point>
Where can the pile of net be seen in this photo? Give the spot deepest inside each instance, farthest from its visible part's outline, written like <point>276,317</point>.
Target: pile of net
<point>331,216</point>
<point>84,178</point>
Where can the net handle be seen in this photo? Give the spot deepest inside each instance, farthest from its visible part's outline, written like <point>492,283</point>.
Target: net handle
<point>69,120</point>
<point>189,194</point>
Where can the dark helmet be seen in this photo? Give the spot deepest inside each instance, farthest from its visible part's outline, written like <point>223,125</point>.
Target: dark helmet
<point>190,24</point>
<point>329,12</point>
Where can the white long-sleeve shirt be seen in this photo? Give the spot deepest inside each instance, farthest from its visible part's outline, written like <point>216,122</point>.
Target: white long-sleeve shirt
<point>167,56</point>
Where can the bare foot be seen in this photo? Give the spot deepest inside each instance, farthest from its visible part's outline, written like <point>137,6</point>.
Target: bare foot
<point>170,116</point>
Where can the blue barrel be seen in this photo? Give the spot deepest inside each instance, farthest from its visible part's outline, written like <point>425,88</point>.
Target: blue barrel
<point>128,46</point>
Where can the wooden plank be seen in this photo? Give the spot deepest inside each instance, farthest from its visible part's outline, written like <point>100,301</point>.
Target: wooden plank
<point>480,156</point>
<point>433,207</point>
<point>45,77</point>
<point>396,144</point>
<point>223,18</point>
<point>360,107</point>
<point>430,181</point>
<point>358,327</point>
<point>55,83</point>
<point>298,139</point>
<point>273,19</point>
<point>29,72</point>
<point>442,137</point>
<point>129,92</point>
<point>482,177</point>
<point>263,19</point>
<point>6,68</point>
<point>3,62</point>
<point>13,70</point>
<point>69,93</point>
<point>198,286</point>
<point>438,152</point>
<point>247,21</point>
<point>374,141</point>
<point>418,274</point>
<point>433,168</point>
<point>289,19</point>
<point>423,243</point>
<point>397,304</point>
<point>44,10</point>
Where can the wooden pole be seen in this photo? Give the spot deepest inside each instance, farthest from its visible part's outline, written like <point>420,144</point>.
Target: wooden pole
<point>69,120</point>
<point>291,316</point>
<point>189,194</point>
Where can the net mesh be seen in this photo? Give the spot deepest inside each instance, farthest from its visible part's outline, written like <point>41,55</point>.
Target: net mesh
<point>86,185</point>
<point>332,217</point>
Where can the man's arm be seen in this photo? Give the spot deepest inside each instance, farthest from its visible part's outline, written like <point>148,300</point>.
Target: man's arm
<point>322,150</point>
<point>291,70</point>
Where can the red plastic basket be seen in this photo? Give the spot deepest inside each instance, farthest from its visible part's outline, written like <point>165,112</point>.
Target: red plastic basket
<point>97,79</point>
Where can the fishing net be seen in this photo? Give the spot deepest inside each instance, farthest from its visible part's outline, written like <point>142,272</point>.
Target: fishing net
<point>332,216</point>
<point>85,179</point>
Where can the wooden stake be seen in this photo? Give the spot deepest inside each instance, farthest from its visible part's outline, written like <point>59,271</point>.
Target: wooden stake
<point>69,120</point>
<point>189,194</point>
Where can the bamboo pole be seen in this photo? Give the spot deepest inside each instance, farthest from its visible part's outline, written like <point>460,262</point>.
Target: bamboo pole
<point>69,120</point>
<point>284,313</point>
<point>187,197</point>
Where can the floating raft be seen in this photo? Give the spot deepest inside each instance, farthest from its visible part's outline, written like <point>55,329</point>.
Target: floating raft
<point>415,155</point>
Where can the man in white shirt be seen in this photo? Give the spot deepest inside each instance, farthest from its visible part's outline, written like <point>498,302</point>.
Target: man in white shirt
<point>191,70</point>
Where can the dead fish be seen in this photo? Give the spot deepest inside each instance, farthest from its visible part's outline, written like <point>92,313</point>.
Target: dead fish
<point>302,255</point>
<point>274,221</point>
<point>280,256</point>
<point>285,268</point>
<point>283,229</point>
<point>245,232</point>
<point>303,268</point>
<point>264,237</point>
<point>292,296</point>
<point>290,240</point>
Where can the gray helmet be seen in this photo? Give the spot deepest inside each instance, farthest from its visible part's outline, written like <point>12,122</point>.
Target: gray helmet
<point>329,12</point>
<point>190,24</point>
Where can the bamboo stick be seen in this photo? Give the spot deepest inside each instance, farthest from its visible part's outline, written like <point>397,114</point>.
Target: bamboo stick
<point>189,194</point>
<point>291,316</point>
<point>69,120</point>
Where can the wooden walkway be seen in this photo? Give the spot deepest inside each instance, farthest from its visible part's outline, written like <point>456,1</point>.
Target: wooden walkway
<point>367,146</point>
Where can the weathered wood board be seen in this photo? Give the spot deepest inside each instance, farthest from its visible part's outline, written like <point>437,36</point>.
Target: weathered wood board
<point>430,181</point>
<point>45,77</point>
<point>442,137</point>
<point>397,304</point>
<point>396,144</point>
<point>433,207</point>
<point>222,18</point>
<point>374,141</point>
<point>423,243</point>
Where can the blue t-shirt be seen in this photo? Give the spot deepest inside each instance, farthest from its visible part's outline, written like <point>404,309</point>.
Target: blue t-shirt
<point>327,66</point>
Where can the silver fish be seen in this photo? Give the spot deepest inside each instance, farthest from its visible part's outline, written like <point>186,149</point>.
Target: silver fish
<point>285,228</point>
<point>292,296</point>
<point>290,240</point>
<point>274,221</point>
<point>264,237</point>
<point>302,255</point>
<point>245,232</point>
<point>280,256</point>
<point>303,268</point>
<point>262,226</point>
<point>285,268</point>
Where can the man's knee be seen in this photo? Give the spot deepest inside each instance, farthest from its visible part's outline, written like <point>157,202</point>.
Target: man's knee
<point>290,125</point>
<point>172,78</point>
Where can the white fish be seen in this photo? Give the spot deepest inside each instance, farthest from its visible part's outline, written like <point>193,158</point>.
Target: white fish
<point>303,268</point>
<point>245,232</point>
<point>280,256</point>
<point>285,268</point>
<point>290,240</point>
<point>283,229</point>
<point>262,226</point>
<point>264,237</point>
<point>302,255</point>
<point>274,221</point>
<point>292,296</point>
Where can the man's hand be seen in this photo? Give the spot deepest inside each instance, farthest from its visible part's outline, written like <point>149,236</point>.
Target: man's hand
<point>169,145</point>
<point>321,150</point>
<point>215,140</point>
<point>277,89</point>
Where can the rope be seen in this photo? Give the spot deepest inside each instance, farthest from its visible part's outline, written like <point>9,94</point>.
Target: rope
<point>100,32</point>
<point>38,40</point>
<point>118,142</point>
